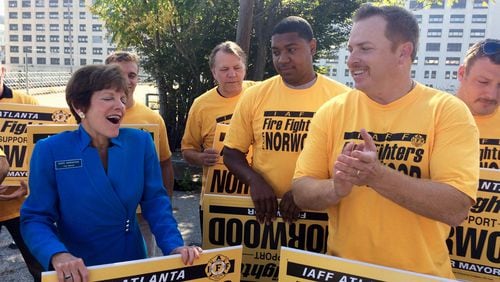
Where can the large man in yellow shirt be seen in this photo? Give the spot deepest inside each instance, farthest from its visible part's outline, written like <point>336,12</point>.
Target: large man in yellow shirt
<point>479,77</point>
<point>394,162</point>
<point>274,118</point>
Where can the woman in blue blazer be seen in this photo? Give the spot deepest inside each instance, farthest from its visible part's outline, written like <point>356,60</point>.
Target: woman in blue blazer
<point>85,185</point>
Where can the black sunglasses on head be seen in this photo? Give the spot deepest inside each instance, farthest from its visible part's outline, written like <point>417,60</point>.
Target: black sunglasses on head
<point>491,47</point>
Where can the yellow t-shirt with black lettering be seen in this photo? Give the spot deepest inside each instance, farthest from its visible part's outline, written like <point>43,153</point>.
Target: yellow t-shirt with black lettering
<point>489,140</point>
<point>275,119</point>
<point>426,134</point>
<point>10,209</point>
<point>141,114</point>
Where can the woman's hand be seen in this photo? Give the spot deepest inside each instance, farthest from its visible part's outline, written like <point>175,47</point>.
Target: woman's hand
<point>188,253</point>
<point>69,268</point>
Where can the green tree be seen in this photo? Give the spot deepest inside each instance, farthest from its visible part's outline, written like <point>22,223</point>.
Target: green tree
<point>175,37</point>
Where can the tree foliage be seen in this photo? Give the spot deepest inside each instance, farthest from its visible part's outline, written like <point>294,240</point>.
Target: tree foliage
<point>175,37</point>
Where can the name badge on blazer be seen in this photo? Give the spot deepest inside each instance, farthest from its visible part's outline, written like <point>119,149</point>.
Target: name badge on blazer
<point>67,164</point>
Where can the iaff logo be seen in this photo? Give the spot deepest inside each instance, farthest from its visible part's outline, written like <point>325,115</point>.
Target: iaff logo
<point>217,267</point>
<point>60,116</point>
<point>417,140</point>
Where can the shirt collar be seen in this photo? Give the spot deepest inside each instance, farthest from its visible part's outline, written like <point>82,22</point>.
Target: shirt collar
<point>86,140</point>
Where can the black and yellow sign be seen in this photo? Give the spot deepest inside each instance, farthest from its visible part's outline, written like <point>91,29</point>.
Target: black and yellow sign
<point>222,264</point>
<point>297,265</point>
<point>14,120</point>
<point>230,221</point>
<point>475,245</point>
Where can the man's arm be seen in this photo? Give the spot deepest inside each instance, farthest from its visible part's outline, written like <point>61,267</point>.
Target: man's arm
<point>208,157</point>
<point>435,200</point>
<point>262,193</point>
<point>4,168</point>
<point>167,173</point>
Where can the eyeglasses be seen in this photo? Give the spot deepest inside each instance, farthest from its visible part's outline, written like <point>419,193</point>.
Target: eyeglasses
<point>491,47</point>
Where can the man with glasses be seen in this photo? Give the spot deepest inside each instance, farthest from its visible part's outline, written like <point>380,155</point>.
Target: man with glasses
<point>479,77</point>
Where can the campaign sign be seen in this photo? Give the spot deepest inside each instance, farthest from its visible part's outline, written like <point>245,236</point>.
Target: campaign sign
<point>14,121</point>
<point>298,265</point>
<point>222,264</point>
<point>475,245</point>
<point>230,220</point>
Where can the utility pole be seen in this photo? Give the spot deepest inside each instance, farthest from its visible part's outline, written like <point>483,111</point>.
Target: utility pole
<point>245,17</point>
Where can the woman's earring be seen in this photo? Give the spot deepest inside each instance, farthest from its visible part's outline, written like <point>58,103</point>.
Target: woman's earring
<point>81,115</point>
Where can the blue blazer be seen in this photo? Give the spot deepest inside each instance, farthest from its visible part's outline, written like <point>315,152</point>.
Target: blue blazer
<point>76,206</point>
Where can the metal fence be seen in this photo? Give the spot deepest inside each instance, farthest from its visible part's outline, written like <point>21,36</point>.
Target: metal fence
<point>37,83</point>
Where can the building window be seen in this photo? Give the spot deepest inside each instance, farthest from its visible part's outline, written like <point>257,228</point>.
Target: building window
<point>457,19</point>
<point>477,33</point>
<point>27,27</point>
<point>460,4</point>
<point>96,27</point>
<point>111,50</point>
<point>346,72</point>
<point>26,3</point>
<point>97,51</point>
<point>456,33</point>
<point>67,50</point>
<point>53,3</point>
<point>480,4</point>
<point>434,32</point>
<point>53,15</point>
<point>96,61</point>
<point>426,74</point>
<point>82,3</point>
<point>54,38</point>
<point>28,60</point>
<point>433,47</point>
<point>40,38</point>
<point>66,38</point>
<point>334,70</point>
<point>96,39</point>
<point>27,38</point>
<point>68,15</point>
<point>479,18</point>
<point>27,49</point>
<point>67,61</point>
<point>454,75</point>
<point>68,3</point>
<point>41,61</point>
<point>39,3</point>
<point>68,27</point>
<point>40,49</point>
<point>14,37</point>
<point>83,27</point>
<point>447,75</point>
<point>26,15</point>
<point>416,5</point>
<point>12,4</point>
<point>83,62</point>
<point>431,61</point>
<point>40,27</point>
<point>83,50</point>
<point>412,73</point>
<point>14,60</point>
<point>54,50</point>
<point>54,27</point>
<point>13,27</point>
<point>452,61</point>
<point>436,19</point>
<point>437,5</point>
<point>433,74</point>
<point>454,47</point>
<point>12,15</point>
<point>415,61</point>
<point>82,39</point>
<point>14,49</point>
<point>82,15</point>
<point>55,61</point>
<point>419,18</point>
<point>40,15</point>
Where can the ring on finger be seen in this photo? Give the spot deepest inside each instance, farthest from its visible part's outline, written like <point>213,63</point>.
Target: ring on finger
<point>66,277</point>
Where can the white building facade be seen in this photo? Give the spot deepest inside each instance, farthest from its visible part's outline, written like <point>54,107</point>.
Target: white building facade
<point>446,32</point>
<point>53,35</point>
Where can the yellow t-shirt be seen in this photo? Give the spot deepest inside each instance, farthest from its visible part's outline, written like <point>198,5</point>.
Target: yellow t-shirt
<point>275,119</point>
<point>489,140</point>
<point>426,134</point>
<point>141,114</point>
<point>10,209</point>
<point>2,154</point>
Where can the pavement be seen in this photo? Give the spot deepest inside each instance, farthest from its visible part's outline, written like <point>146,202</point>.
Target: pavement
<point>185,203</point>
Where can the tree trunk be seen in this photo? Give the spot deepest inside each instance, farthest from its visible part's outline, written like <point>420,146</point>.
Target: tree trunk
<point>245,24</point>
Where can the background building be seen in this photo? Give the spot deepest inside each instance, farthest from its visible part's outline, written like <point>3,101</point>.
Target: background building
<point>446,32</point>
<point>53,35</point>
